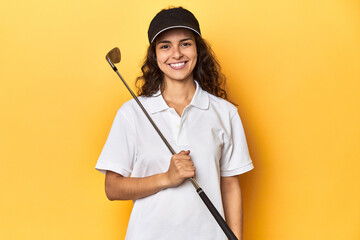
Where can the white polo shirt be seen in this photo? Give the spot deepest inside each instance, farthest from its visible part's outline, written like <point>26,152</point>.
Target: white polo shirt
<point>210,128</point>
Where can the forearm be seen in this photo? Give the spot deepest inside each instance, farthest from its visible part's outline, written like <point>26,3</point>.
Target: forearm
<point>232,202</point>
<point>118,187</point>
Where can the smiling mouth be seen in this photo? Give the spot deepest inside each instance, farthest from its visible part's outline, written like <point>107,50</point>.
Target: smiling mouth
<point>178,65</point>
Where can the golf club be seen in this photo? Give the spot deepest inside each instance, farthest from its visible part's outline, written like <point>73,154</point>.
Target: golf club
<point>113,57</point>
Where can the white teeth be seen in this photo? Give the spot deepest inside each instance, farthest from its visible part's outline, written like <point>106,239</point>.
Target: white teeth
<point>177,64</point>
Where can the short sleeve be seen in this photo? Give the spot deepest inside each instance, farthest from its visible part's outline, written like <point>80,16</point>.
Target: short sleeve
<point>235,157</point>
<point>118,153</point>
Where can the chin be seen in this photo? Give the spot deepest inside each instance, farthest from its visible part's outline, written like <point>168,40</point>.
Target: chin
<point>179,78</point>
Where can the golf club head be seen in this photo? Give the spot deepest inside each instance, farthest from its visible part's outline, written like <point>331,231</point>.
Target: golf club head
<point>114,56</point>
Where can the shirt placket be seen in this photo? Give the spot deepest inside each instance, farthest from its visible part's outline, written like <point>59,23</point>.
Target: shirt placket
<point>179,127</point>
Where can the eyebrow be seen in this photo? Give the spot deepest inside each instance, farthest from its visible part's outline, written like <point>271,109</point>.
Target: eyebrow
<point>182,40</point>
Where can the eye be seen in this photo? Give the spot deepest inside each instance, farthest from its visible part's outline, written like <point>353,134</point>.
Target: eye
<point>165,46</point>
<point>186,44</point>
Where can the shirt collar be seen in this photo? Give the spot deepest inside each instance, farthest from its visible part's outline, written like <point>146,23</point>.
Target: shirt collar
<point>156,103</point>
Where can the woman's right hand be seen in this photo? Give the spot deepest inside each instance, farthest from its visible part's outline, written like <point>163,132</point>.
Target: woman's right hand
<point>181,168</point>
<point>118,187</point>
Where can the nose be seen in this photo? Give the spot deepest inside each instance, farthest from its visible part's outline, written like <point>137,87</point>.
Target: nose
<point>177,54</point>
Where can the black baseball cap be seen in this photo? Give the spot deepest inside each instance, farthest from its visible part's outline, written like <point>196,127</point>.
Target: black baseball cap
<point>172,18</point>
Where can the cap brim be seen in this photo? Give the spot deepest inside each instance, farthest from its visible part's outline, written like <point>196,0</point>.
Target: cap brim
<point>172,28</point>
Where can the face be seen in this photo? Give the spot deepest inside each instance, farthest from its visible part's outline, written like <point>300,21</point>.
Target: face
<point>176,54</point>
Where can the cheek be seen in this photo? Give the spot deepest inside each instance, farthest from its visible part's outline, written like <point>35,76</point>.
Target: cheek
<point>194,57</point>
<point>161,59</point>
<point>160,63</point>
<point>194,54</point>
<point>158,59</point>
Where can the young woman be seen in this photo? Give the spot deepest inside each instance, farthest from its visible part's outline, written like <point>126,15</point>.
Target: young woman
<point>181,88</point>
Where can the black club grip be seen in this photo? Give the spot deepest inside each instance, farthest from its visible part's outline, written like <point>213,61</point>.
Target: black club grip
<point>216,215</point>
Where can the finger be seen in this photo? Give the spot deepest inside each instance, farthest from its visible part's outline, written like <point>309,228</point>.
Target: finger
<point>189,173</point>
<point>185,167</point>
<point>183,163</point>
<point>181,157</point>
<point>189,169</point>
<point>186,173</point>
<point>183,152</point>
<point>187,163</point>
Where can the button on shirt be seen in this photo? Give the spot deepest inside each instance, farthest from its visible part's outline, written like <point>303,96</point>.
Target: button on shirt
<point>210,128</point>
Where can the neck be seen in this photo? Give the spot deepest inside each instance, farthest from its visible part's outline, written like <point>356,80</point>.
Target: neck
<point>179,91</point>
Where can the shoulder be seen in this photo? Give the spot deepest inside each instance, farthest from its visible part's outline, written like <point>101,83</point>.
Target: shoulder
<point>132,111</point>
<point>129,113</point>
<point>222,106</point>
<point>127,106</point>
<point>131,106</point>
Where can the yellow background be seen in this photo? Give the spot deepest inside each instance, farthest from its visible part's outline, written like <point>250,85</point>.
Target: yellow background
<point>293,68</point>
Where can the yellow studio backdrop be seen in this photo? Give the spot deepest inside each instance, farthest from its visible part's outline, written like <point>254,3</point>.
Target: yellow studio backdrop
<point>293,68</point>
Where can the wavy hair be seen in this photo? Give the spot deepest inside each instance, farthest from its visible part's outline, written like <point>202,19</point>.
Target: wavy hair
<point>207,72</point>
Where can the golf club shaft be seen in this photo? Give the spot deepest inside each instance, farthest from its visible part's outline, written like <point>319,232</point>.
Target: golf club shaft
<point>220,220</point>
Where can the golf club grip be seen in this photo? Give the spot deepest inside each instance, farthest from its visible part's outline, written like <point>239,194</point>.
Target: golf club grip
<point>216,215</point>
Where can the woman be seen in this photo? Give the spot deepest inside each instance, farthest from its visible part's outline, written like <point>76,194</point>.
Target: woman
<point>181,90</point>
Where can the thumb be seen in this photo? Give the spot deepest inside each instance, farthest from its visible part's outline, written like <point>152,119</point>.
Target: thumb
<point>187,152</point>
